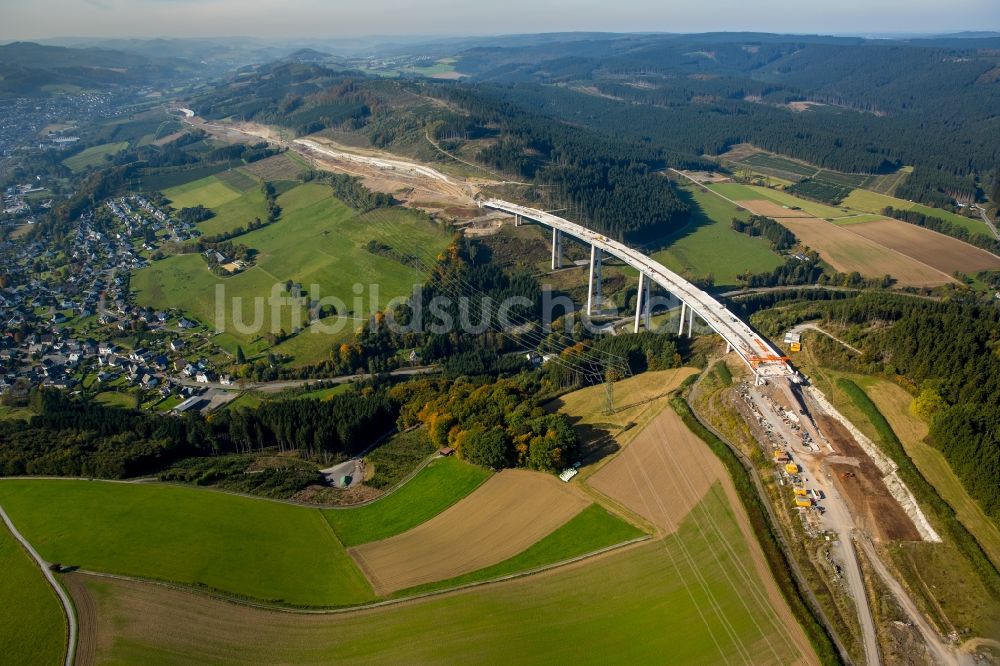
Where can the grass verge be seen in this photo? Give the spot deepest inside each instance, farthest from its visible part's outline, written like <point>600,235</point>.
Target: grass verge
<point>34,630</point>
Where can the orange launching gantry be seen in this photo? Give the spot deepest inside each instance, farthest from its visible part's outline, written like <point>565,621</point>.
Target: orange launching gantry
<point>757,360</point>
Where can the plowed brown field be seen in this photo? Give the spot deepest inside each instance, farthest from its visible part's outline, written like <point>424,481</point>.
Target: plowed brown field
<point>504,516</point>
<point>660,485</point>
<point>847,251</point>
<point>937,250</point>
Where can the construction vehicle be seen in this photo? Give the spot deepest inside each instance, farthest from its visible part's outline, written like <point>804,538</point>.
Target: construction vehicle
<point>792,468</point>
<point>847,475</point>
<point>781,457</point>
<point>803,502</point>
<point>801,492</point>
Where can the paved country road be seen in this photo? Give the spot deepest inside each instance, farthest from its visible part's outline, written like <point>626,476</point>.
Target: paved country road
<point>282,384</point>
<point>63,597</point>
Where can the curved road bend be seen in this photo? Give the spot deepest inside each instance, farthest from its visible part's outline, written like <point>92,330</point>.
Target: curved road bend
<point>60,592</point>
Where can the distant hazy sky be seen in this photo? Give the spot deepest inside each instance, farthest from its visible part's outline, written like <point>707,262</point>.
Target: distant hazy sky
<point>33,19</point>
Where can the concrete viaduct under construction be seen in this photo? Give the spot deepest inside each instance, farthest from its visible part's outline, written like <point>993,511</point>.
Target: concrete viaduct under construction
<point>764,360</point>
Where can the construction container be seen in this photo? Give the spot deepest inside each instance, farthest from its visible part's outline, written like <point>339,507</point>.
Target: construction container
<point>801,492</point>
<point>792,468</point>
<point>803,501</point>
<point>780,456</point>
<point>796,346</point>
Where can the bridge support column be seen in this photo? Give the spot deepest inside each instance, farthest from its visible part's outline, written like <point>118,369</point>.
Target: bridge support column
<point>680,331</point>
<point>690,322</point>
<point>556,249</point>
<point>640,297</point>
<point>594,287</point>
<point>517,220</point>
<point>729,347</point>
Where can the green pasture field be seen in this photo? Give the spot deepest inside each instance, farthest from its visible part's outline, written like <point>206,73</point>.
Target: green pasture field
<point>323,393</point>
<point>238,212</point>
<point>248,547</point>
<point>857,218</point>
<point>439,485</point>
<point>672,601</point>
<point>259,549</point>
<point>210,192</point>
<point>313,344</point>
<point>165,179</point>
<point>94,155</point>
<point>749,192</point>
<point>440,67</point>
<point>590,530</point>
<point>873,202</point>
<point>318,240</point>
<point>116,399</point>
<point>239,180</point>
<point>709,244</point>
<point>35,628</point>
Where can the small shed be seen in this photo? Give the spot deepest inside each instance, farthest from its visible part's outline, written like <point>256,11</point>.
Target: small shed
<point>446,451</point>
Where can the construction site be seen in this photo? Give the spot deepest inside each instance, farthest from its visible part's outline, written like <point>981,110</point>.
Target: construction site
<point>838,497</point>
<point>841,502</point>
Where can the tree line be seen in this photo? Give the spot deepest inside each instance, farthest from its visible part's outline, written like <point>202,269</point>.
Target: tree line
<point>69,436</point>
<point>781,239</point>
<point>493,424</point>
<point>945,227</point>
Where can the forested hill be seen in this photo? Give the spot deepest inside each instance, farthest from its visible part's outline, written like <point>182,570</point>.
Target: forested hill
<point>29,69</point>
<point>879,105</point>
<point>606,182</point>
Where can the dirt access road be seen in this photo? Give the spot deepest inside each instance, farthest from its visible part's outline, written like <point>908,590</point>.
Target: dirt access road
<point>410,182</point>
<point>836,515</point>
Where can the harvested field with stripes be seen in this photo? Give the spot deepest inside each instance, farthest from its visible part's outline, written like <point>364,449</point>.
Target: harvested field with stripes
<point>626,606</point>
<point>661,474</point>
<point>937,250</point>
<point>848,251</point>
<point>507,514</point>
